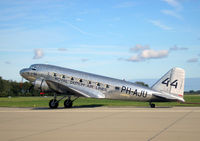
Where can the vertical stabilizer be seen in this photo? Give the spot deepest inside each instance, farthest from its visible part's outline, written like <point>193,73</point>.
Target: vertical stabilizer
<point>172,82</point>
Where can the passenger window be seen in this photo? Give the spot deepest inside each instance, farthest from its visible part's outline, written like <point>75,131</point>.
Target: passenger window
<point>117,88</point>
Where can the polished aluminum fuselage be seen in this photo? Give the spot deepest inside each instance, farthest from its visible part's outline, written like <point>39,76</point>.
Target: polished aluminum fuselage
<point>73,82</point>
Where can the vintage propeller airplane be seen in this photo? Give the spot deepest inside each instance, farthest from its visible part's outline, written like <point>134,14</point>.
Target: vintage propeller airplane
<point>77,83</point>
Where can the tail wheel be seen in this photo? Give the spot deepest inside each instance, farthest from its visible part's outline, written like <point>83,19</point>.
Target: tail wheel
<point>152,105</point>
<point>68,103</point>
<point>53,104</point>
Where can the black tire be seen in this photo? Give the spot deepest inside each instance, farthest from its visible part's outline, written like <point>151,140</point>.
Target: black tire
<point>53,104</point>
<point>68,103</point>
<point>153,105</point>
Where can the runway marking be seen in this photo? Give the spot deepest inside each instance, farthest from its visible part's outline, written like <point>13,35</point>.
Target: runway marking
<point>170,125</point>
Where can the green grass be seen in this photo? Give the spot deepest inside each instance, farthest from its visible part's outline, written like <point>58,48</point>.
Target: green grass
<point>89,102</point>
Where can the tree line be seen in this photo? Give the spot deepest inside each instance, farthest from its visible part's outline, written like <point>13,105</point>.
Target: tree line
<point>13,88</point>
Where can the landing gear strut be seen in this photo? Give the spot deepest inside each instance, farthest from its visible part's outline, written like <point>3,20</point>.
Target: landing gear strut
<point>53,104</point>
<point>152,105</point>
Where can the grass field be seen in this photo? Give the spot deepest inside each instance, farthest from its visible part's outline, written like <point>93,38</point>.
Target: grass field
<point>191,100</point>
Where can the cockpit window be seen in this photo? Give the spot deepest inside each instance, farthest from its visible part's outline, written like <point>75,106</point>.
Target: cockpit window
<point>33,68</point>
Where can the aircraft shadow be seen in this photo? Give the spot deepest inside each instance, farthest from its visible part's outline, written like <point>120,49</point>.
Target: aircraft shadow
<point>157,107</point>
<point>162,107</point>
<point>88,106</point>
<point>81,106</point>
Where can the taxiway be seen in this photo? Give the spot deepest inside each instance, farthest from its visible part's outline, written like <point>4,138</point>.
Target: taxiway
<point>100,123</point>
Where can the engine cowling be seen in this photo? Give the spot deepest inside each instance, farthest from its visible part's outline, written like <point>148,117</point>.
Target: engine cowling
<point>41,85</point>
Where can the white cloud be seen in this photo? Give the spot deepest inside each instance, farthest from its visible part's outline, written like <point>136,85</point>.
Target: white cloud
<point>62,49</point>
<point>138,48</point>
<point>84,60</point>
<point>116,19</point>
<point>172,13</point>
<point>176,48</point>
<point>149,54</point>
<point>135,58</point>
<point>159,24</point>
<point>173,3</point>
<point>76,28</point>
<point>193,60</point>
<point>38,54</point>
<point>125,4</point>
<point>7,62</point>
<point>79,20</point>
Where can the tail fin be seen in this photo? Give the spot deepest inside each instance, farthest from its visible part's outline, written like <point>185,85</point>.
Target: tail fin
<point>172,82</point>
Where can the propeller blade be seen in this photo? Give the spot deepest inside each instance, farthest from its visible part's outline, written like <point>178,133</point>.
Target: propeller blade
<point>30,88</point>
<point>21,83</point>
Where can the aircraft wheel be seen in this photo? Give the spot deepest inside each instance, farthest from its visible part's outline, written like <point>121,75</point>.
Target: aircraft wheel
<point>53,104</point>
<point>152,105</point>
<point>68,103</point>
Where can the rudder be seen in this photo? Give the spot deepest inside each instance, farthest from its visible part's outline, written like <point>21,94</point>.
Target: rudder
<point>172,82</point>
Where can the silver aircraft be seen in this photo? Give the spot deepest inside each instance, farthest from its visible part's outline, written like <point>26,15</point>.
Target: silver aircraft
<point>77,83</point>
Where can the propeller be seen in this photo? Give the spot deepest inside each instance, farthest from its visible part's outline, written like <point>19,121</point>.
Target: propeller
<point>28,87</point>
<point>24,86</point>
<point>21,85</point>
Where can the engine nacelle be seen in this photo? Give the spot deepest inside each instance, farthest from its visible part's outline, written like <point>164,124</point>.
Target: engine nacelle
<point>41,85</point>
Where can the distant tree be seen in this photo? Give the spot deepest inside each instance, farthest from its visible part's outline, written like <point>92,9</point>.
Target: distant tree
<point>4,87</point>
<point>1,84</point>
<point>191,91</point>
<point>142,83</point>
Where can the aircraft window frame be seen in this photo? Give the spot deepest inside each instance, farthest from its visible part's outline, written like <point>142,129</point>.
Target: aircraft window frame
<point>33,68</point>
<point>98,84</point>
<point>117,88</point>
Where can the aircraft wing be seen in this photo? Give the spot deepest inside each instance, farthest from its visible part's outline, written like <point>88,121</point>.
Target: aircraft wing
<point>168,97</point>
<point>69,89</point>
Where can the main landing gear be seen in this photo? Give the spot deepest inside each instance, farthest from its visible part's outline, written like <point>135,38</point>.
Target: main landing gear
<point>53,104</point>
<point>152,105</point>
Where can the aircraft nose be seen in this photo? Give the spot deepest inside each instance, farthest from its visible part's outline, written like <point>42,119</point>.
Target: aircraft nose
<point>23,71</point>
